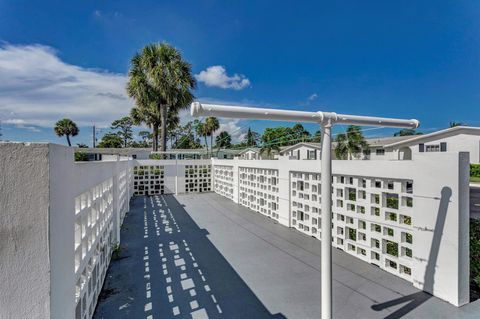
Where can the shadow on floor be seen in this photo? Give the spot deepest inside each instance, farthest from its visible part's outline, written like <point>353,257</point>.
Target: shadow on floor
<point>168,268</point>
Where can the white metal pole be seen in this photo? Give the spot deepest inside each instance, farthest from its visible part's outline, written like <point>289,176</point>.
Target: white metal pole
<point>326,119</point>
<point>326,215</point>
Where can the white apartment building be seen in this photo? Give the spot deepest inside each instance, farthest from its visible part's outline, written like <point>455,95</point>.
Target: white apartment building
<point>455,139</point>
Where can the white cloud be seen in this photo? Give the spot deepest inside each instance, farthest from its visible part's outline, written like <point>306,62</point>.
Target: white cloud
<point>233,128</point>
<point>216,76</point>
<point>21,124</point>
<point>38,88</point>
<point>312,97</point>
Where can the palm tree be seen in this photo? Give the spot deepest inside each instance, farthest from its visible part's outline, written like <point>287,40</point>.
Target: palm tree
<point>350,143</point>
<point>149,115</point>
<point>159,75</point>
<point>454,124</point>
<point>268,149</point>
<point>66,127</point>
<point>201,130</point>
<point>212,125</point>
<point>223,140</point>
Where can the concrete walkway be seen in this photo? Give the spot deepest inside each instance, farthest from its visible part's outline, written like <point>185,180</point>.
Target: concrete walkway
<point>202,256</point>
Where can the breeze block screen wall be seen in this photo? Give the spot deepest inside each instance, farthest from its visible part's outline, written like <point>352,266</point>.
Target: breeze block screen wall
<point>410,218</point>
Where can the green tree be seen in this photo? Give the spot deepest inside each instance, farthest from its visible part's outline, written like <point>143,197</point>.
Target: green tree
<point>111,140</point>
<point>124,125</point>
<point>223,140</point>
<point>160,77</point>
<point>211,126</point>
<point>454,124</point>
<point>146,137</point>
<point>317,137</point>
<point>300,133</point>
<point>350,143</point>
<point>406,132</point>
<point>186,138</point>
<point>251,139</point>
<point>149,115</point>
<point>66,127</point>
<point>202,131</point>
<point>280,136</point>
<point>81,156</point>
<point>268,150</point>
<point>173,127</point>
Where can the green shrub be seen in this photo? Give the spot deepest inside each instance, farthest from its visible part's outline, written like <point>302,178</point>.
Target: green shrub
<point>352,234</point>
<point>408,238</point>
<point>155,156</point>
<point>81,157</point>
<point>392,248</point>
<point>392,202</point>
<point>475,170</point>
<point>475,251</point>
<point>116,250</point>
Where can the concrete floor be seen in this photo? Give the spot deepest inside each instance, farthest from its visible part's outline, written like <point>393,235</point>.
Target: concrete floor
<point>202,256</point>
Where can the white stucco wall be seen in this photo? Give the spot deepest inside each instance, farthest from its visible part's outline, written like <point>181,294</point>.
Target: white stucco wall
<point>300,152</point>
<point>455,143</point>
<point>39,185</point>
<point>24,230</point>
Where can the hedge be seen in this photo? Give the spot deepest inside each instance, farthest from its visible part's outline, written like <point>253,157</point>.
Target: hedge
<point>475,170</point>
<point>475,251</point>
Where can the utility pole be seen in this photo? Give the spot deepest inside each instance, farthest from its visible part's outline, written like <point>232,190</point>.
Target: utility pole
<point>326,121</point>
<point>94,138</point>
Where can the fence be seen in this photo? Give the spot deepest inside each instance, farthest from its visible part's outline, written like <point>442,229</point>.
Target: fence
<point>61,221</point>
<point>409,218</point>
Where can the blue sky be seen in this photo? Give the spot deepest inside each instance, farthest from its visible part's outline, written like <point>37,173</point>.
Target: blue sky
<point>418,59</point>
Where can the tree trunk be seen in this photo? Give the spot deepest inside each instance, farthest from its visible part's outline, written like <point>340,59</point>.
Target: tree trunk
<point>163,132</point>
<point>211,144</point>
<point>68,140</point>
<point>206,144</point>
<point>155,137</point>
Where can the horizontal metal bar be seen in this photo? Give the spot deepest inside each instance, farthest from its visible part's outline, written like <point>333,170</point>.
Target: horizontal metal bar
<point>243,112</point>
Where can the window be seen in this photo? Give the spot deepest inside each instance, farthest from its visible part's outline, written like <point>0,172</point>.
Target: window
<point>380,152</point>
<point>432,148</point>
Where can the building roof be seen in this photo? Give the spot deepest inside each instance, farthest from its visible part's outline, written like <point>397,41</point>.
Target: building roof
<point>317,146</point>
<point>383,141</point>
<point>372,142</point>
<point>253,149</point>
<point>133,150</point>
<point>436,135</point>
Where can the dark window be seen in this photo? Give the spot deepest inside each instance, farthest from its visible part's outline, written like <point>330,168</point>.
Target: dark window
<point>443,147</point>
<point>380,151</point>
<point>421,148</point>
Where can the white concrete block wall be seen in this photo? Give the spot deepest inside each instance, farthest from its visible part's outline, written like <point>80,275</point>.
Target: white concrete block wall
<point>73,212</point>
<point>172,176</point>
<point>429,229</point>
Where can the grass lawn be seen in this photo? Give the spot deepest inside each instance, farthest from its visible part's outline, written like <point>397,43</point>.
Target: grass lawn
<point>474,179</point>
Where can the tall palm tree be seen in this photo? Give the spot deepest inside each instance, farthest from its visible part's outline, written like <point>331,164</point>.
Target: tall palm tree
<point>268,150</point>
<point>454,124</point>
<point>149,115</point>
<point>202,130</point>
<point>159,75</point>
<point>66,127</point>
<point>212,125</point>
<point>350,143</point>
